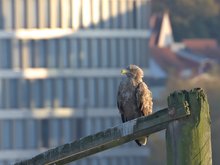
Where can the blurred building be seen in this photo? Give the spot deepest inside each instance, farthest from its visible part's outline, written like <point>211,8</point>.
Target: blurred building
<point>187,58</point>
<point>60,64</point>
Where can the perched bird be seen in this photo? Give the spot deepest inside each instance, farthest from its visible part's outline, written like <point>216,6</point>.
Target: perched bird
<point>134,98</point>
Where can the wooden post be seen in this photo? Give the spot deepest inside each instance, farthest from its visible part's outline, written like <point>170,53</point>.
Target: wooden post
<point>109,138</point>
<point>189,139</point>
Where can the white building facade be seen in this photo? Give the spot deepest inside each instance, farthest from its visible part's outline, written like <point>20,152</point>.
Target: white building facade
<point>60,63</point>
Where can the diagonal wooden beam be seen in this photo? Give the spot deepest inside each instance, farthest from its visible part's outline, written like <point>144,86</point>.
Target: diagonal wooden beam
<point>109,138</point>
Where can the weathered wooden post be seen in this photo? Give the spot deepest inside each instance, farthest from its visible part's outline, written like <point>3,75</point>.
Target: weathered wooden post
<point>189,139</point>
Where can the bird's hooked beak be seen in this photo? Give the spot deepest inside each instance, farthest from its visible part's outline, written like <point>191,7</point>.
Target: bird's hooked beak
<point>124,71</point>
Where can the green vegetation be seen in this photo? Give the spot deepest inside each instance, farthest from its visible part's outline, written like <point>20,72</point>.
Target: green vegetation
<point>192,18</point>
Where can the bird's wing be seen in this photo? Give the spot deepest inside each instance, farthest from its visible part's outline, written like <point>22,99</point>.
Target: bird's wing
<point>120,103</point>
<point>144,99</point>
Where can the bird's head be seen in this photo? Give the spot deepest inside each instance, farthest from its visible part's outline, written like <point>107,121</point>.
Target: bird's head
<point>133,71</point>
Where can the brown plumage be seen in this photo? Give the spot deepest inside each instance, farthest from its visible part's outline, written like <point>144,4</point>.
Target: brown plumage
<point>134,98</point>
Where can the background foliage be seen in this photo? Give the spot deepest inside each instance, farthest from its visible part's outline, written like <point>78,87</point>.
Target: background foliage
<point>192,18</point>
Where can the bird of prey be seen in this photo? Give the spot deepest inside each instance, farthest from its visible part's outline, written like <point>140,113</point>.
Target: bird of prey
<point>134,99</point>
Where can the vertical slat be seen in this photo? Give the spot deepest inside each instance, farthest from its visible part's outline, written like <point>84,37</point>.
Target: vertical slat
<point>123,13</point>
<point>114,13</point>
<point>13,93</point>
<point>47,14</point>
<point>126,51</point>
<point>111,93</point>
<point>22,93</point>
<point>7,93</point>
<point>75,92</point>
<point>104,61</point>
<point>31,14</point>
<point>32,132</point>
<point>137,51</point>
<point>108,123</point>
<point>143,53</point>
<point>60,91</point>
<point>33,94</point>
<point>47,63</point>
<point>53,13</point>
<point>7,13</point>
<point>113,55</point>
<point>73,53</point>
<point>35,54</point>
<point>55,133</point>
<point>73,128</point>
<point>31,53</point>
<point>65,13</point>
<point>56,101</point>
<point>65,92</point>
<point>84,53</point>
<point>63,59</point>
<point>66,131</point>
<point>37,93</point>
<point>18,16</point>
<point>94,53</point>
<point>51,53</point>
<point>15,54</point>
<point>7,134</point>
<point>77,8</point>
<point>145,13</point>
<point>8,47</point>
<point>19,134</point>
<point>96,12</point>
<point>41,13</point>
<point>1,55</point>
<point>61,131</point>
<point>25,54</point>
<point>86,13</point>
<point>47,93</point>
<point>1,126</point>
<point>105,90</point>
<point>138,14</point>
<point>98,124</point>
<point>130,10</point>
<point>1,98</point>
<point>101,92</point>
<point>122,52</point>
<point>130,54</point>
<point>89,126</point>
<point>81,93</point>
<point>89,49</point>
<point>70,94</point>
<point>105,14</point>
<point>39,133</point>
<point>91,92</point>
<point>41,56</point>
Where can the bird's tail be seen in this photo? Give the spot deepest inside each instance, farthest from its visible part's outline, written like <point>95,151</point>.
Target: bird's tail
<point>141,141</point>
